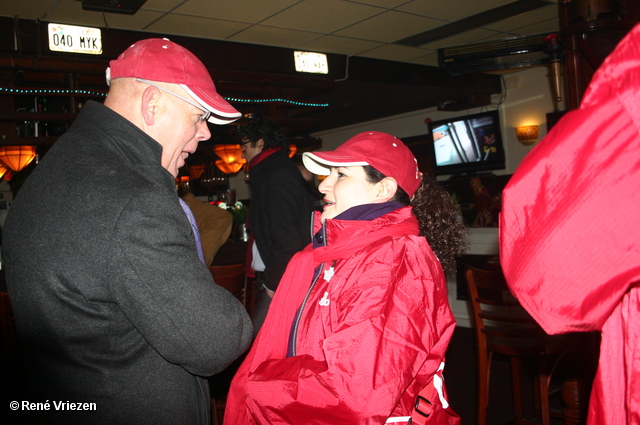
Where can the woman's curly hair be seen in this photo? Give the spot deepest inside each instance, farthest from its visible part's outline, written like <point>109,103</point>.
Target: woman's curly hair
<point>439,221</point>
<point>438,217</point>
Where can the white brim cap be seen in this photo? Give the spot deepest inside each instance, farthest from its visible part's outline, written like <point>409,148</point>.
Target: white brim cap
<point>320,163</point>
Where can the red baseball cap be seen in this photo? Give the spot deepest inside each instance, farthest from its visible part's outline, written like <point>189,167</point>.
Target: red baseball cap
<point>161,60</point>
<point>382,151</point>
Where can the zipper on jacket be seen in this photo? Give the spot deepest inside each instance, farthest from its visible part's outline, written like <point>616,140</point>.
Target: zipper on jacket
<point>294,335</point>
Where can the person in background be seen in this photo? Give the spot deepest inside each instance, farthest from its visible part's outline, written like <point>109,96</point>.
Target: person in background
<point>114,308</point>
<point>214,224</point>
<point>361,321</point>
<point>281,206</point>
<point>312,182</point>
<point>569,237</point>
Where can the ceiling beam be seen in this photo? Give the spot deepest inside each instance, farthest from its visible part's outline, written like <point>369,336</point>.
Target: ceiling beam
<point>478,20</point>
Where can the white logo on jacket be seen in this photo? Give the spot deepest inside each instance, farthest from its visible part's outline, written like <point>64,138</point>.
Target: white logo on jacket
<point>328,274</point>
<point>325,300</point>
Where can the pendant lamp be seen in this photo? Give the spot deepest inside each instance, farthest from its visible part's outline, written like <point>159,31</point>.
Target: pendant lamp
<point>196,170</point>
<point>231,158</point>
<point>15,158</point>
<point>229,168</point>
<point>3,170</point>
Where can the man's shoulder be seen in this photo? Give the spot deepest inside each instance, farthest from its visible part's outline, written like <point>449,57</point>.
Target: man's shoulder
<point>276,169</point>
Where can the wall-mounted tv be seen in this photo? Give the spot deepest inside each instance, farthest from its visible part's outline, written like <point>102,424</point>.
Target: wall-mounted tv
<point>467,144</point>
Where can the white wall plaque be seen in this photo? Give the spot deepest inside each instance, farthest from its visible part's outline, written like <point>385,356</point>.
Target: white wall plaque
<point>74,39</point>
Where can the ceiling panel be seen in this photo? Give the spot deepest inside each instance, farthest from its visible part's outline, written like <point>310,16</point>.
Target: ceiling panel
<point>390,26</point>
<point>26,9</point>
<point>395,52</point>
<point>464,38</point>
<point>430,59</point>
<point>526,19</point>
<point>322,16</point>
<point>193,26</point>
<point>544,27</point>
<point>161,5</point>
<point>260,34</point>
<point>70,12</point>
<point>388,4</point>
<point>248,11</point>
<point>451,10</point>
<point>340,45</point>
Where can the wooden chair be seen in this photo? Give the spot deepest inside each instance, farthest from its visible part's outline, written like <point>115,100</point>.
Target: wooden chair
<point>503,326</point>
<point>231,278</point>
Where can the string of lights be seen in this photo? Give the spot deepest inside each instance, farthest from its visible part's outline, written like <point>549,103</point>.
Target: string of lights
<point>317,105</point>
<point>50,91</point>
<point>93,93</point>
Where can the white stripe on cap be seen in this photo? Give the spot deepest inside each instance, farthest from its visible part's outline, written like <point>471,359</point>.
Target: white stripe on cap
<point>322,167</point>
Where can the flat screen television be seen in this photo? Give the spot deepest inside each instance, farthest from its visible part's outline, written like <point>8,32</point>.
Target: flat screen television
<point>467,144</point>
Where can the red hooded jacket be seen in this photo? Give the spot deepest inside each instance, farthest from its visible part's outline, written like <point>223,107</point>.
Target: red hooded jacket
<point>374,329</point>
<point>569,232</point>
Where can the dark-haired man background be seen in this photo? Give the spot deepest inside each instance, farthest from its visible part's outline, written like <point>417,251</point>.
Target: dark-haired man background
<point>281,206</point>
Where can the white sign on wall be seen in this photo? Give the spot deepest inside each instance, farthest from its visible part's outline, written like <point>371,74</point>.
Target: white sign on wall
<point>311,62</point>
<point>74,39</point>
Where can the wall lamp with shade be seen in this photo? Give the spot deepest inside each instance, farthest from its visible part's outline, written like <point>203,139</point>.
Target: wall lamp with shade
<point>527,134</point>
<point>231,158</point>
<point>15,158</point>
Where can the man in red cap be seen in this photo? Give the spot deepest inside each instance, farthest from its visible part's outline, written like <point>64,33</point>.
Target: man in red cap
<point>117,316</point>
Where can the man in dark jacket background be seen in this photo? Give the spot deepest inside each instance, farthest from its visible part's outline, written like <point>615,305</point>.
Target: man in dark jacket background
<point>115,311</point>
<point>281,207</point>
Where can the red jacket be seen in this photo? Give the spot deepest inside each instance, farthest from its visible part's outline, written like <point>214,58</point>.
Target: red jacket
<point>372,333</point>
<point>569,232</point>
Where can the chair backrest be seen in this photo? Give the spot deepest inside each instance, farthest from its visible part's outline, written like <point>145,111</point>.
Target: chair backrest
<point>495,311</point>
<point>8,326</point>
<point>232,278</point>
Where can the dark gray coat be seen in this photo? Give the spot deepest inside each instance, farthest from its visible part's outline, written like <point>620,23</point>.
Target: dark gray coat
<point>112,304</point>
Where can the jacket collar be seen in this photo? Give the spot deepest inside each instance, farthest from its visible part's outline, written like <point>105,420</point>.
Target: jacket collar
<point>345,237</point>
<point>261,156</point>
<point>121,135</point>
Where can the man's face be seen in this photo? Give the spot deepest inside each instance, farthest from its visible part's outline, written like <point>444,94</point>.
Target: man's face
<point>250,150</point>
<point>182,130</point>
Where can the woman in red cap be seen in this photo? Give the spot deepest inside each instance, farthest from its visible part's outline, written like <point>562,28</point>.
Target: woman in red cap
<point>361,322</point>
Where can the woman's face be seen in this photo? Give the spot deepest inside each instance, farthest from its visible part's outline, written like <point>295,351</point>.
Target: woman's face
<point>346,187</point>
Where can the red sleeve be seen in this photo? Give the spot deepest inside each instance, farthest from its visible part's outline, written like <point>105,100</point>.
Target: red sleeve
<point>569,233</point>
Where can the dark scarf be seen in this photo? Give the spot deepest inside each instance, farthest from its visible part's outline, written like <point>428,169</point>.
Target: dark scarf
<point>365,212</point>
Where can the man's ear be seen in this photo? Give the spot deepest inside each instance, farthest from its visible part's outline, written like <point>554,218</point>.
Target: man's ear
<point>260,144</point>
<point>387,188</point>
<point>150,105</point>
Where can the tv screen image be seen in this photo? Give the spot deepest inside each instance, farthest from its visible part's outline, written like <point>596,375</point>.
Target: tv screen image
<point>468,144</point>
